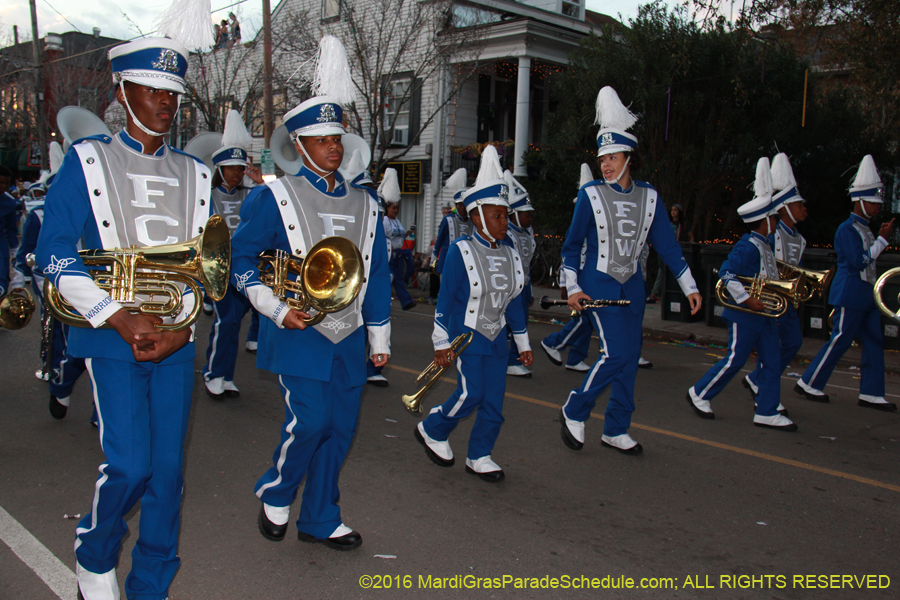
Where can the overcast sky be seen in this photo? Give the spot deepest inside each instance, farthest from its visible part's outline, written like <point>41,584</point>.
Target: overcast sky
<point>84,15</point>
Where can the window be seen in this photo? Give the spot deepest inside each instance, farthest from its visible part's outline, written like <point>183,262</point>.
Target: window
<point>401,110</point>
<point>572,8</point>
<point>331,9</point>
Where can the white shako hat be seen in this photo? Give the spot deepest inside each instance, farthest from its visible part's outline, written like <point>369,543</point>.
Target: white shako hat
<point>236,142</point>
<point>456,184</point>
<point>490,186</point>
<point>867,183</point>
<point>761,205</point>
<point>162,62</point>
<point>783,182</point>
<point>585,177</point>
<point>333,87</point>
<point>614,121</point>
<point>518,195</point>
<point>389,188</point>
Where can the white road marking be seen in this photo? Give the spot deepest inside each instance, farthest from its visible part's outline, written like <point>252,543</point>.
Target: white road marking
<point>58,577</point>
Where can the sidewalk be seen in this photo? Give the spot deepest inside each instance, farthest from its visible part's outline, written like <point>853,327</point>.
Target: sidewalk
<point>701,334</point>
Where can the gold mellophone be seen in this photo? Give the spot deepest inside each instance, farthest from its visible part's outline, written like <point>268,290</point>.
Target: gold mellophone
<point>156,272</point>
<point>774,294</point>
<point>816,281</point>
<point>433,372</point>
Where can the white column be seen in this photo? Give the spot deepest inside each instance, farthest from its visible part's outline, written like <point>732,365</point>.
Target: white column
<point>523,114</point>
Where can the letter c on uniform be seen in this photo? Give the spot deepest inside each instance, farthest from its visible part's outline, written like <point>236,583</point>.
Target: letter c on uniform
<point>143,233</point>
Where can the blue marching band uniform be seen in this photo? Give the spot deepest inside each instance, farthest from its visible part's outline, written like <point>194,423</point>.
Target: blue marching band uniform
<point>480,284</point>
<point>522,239</point>
<point>453,226</point>
<point>320,369</point>
<point>752,256</point>
<point>110,194</point>
<point>9,237</point>
<point>855,312</point>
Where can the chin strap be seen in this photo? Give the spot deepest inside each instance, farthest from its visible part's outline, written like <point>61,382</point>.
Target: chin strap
<point>136,120</point>
<point>862,207</point>
<point>311,161</point>
<point>484,226</point>
<point>622,172</point>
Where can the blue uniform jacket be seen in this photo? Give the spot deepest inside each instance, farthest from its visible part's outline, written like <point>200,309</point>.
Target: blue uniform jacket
<point>306,353</point>
<point>599,285</point>
<point>848,288</point>
<point>30,232</point>
<point>68,218</point>
<point>9,213</point>
<point>450,313</point>
<point>743,260</point>
<point>442,242</point>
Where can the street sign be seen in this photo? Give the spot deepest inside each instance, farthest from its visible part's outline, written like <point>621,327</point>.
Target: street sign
<point>268,163</point>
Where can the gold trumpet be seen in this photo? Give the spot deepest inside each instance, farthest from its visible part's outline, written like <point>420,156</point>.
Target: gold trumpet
<point>816,281</point>
<point>774,294</point>
<point>16,308</point>
<point>433,372</point>
<point>156,273</point>
<point>327,279</point>
<point>879,301</point>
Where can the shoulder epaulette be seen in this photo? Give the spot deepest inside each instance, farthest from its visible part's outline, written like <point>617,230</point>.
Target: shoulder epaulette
<point>99,137</point>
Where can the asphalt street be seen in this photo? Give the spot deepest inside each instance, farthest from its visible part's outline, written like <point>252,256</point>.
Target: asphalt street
<point>712,509</point>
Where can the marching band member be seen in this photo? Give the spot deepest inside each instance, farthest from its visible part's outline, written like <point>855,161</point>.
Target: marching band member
<point>789,246</point>
<point>456,224</point>
<point>481,280</point>
<point>521,235</point>
<point>115,192</point>
<point>389,191</point>
<point>231,166</point>
<point>750,257</point>
<point>321,369</point>
<point>576,334</point>
<point>9,218</point>
<point>615,216</point>
<point>856,315</point>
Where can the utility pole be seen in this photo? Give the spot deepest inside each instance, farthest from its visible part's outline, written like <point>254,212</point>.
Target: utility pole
<point>268,111</point>
<point>38,87</point>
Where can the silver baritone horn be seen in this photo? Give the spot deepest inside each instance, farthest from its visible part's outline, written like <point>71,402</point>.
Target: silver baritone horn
<point>156,273</point>
<point>877,291</point>
<point>327,279</point>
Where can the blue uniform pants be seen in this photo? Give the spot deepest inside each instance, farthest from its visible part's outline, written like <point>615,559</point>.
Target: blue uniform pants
<point>4,264</point>
<point>224,336</point>
<point>319,425</point>
<point>143,413</point>
<point>741,341</point>
<point>790,338</point>
<point>66,368</point>
<point>849,324</point>
<point>253,332</point>
<point>620,348</point>
<point>575,335</point>
<point>480,384</point>
<point>398,268</point>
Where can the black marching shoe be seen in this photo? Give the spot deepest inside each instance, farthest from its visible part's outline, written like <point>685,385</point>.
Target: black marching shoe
<point>814,397</point>
<point>268,529</point>
<point>567,437</point>
<point>57,411</point>
<point>700,413</point>
<point>885,406</point>
<point>350,541</point>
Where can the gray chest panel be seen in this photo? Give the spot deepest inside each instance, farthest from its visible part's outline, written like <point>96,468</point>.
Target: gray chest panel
<point>622,222</point>
<point>789,247</point>
<point>458,227</point>
<point>523,240</point>
<point>228,206</point>
<point>768,268</point>
<point>495,278</point>
<point>868,274</point>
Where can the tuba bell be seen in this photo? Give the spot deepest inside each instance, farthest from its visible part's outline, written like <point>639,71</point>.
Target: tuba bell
<point>16,308</point>
<point>327,279</point>
<point>877,292</point>
<point>774,294</point>
<point>156,273</point>
<point>816,281</point>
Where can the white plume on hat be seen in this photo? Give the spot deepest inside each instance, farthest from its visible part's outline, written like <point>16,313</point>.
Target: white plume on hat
<point>56,157</point>
<point>867,175</point>
<point>188,22</point>
<point>332,72</point>
<point>389,188</point>
<point>782,174</point>
<point>355,166</point>
<point>235,134</point>
<point>762,186</point>
<point>490,168</point>
<point>611,112</point>
<point>587,175</point>
<point>457,181</point>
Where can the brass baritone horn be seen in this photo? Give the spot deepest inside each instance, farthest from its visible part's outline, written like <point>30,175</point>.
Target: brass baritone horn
<point>328,278</point>
<point>433,372</point>
<point>16,308</point>
<point>157,273</point>
<point>816,281</point>
<point>774,294</point>
<point>879,301</point>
